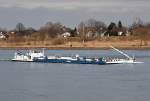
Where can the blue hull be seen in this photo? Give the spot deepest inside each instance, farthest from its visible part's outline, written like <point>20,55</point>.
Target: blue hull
<point>100,62</point>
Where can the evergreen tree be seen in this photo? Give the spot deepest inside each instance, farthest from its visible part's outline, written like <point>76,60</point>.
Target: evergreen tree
<point>111,26</point>
<point>119,24</point>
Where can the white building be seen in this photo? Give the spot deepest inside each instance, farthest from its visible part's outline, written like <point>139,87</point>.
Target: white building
<point>2,36</point>
<point>66,34</point>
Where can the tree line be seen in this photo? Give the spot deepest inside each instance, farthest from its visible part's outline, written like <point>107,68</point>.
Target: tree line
<point>88,28</point>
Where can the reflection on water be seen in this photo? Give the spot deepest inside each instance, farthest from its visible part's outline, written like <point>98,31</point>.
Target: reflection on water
<point>20,81</point>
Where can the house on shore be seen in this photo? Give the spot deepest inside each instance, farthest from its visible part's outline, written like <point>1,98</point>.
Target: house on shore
<point>3,35</point>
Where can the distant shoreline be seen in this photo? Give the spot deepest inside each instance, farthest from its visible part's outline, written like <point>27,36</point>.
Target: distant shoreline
<point>77,45</point>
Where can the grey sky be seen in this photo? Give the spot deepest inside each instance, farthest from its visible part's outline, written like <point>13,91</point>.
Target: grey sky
<point>70,12</point>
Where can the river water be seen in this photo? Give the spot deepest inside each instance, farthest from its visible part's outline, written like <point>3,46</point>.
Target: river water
<point>21,81</point>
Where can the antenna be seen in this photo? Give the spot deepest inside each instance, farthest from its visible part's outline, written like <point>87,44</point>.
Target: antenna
<point>43,50</point>
<point>121,52</point>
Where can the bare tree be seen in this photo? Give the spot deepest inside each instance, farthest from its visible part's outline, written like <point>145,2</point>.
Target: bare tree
<point>92,25</point>
<point>97,25</point>
<point>52,29</point>
<point>137,23</point>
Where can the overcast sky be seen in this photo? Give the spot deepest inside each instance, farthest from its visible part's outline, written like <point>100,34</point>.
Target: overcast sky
<point>36,13</point>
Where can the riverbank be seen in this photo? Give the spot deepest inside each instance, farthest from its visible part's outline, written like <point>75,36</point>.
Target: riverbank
<point>136,44</point>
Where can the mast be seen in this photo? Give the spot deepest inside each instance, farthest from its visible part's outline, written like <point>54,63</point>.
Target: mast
<point>83,33</point>
<point>43,51</point>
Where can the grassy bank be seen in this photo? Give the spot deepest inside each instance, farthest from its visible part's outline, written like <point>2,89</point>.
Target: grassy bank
<point>77,43</point>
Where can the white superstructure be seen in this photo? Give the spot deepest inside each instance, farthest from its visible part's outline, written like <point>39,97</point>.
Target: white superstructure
<point>30,56</point>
